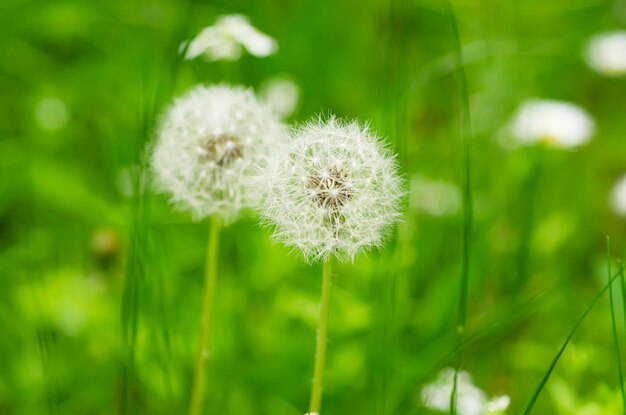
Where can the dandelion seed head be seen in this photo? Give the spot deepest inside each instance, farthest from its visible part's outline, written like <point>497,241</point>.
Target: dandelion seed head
<point>556,123</point>
<point>606,53</point>
<point>209,145</point>
<point>334,190</point>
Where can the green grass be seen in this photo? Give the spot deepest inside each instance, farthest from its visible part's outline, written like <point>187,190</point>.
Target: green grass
<point>546,377</point>
<point>489,288</point>
<point>618,353</point>
<point>466,139</point>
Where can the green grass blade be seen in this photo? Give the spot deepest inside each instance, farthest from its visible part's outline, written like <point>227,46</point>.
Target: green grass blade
<point>544,380</point>
<point>623,287</point>
<point>154,96</point>
<point>623,293</point>
<point>614,324</point>
<point>529,196</point>
<point>466,134</point>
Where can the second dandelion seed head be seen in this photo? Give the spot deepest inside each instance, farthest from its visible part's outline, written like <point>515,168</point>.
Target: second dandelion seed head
<point>333,191</point>
<point>209,145</point>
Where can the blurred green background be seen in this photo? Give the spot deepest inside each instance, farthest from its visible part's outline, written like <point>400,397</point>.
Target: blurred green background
<point>101,278</point>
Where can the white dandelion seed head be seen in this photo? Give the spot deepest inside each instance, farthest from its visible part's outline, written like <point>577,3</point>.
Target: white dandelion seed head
<point>470,399</point>
<point>618,197</point>
<point>606,53</point>
<point>334,190</point>
<point>225,39</point>
<point>209,145</point>
<point>557,123</point>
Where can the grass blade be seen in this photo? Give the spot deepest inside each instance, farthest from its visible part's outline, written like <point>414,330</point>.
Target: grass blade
<point>529,197</point>
<point>623,287</point>
<point>544,380</point>
<point>466,134</point>
<point>614,324</point>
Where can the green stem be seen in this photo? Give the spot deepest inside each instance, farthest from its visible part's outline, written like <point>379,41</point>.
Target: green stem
<point>197,391</point>
<point>320,348</point>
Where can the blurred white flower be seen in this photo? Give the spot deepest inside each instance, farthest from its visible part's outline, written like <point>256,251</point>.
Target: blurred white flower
<point>557,123</point>
<point>470,399</point>
<point>208,148</point>
<point>497,405</point>
<point>281,94</point>
<point>606,53</point>
<point>51,113</point>
<point>334,190</point>
<point>618,197</point>
<point>223,40</point>
<point>434,197</point>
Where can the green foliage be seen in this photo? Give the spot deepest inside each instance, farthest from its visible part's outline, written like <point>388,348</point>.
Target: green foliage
<point>102,279</point>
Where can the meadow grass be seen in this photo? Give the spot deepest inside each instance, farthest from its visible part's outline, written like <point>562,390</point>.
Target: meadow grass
<point>554,362</point>
<point>466,139</point>
<point>489,288</point>
<point>618,353</point>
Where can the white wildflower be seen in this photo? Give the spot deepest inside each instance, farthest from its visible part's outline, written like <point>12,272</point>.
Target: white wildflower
<point>434,197</point>
<point>470,399</point>
<point>557,123</point>
<point>224,40</point>
<point>334,190</point>
<point>606,53</point>
<point>497,405</point>
<point>282,95</point>
<point>209,144</point>
<point>618,197</point>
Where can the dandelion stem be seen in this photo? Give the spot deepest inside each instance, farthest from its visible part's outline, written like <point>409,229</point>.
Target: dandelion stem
<point>197,392</point>
<point>320,348</point>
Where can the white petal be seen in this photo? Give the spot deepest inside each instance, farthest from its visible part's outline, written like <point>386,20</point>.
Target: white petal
<point>205,40</point>
<point>233,22</point>
<point>559,123</point>
<point>258,44</point>
<point>606,53</point>
<point>223,51</point>
<point>498,404</point>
